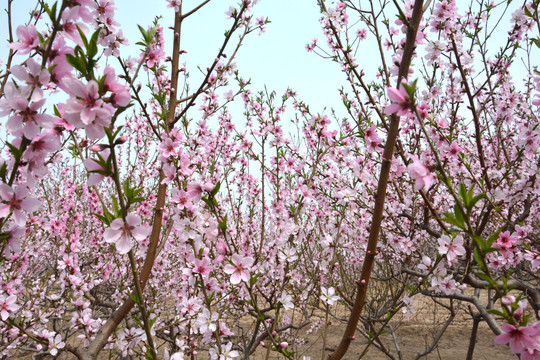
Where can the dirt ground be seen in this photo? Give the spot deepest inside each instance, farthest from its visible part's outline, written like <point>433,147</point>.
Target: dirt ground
<point>412,337</point>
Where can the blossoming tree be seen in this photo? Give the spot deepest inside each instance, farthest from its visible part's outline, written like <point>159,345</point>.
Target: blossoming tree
<point>140,215</point>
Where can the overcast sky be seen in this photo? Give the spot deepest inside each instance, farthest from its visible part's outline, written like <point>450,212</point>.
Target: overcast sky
<point>277,58</point>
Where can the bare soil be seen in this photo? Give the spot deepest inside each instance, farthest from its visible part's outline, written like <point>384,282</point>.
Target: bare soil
<point>412,337</point>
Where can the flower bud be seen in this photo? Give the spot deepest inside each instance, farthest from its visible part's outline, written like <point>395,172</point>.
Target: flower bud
<point>122,139</point>
<point>508,300</point>
<point>98,147</point>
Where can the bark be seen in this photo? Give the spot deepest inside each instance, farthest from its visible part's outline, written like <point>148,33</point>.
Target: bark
<point>378,211</point>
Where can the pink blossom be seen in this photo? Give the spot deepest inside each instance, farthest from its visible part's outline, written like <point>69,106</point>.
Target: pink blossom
<point>195,190</point>
<point>174,4</point>
<point>57,61</point>
<point>120,93</point>
<point>206,321</point>
<point>329,295</point>
<point>14,98</point>
<point>505,241</point>
<point>46,142</point>
<point>104,12</point>
<point>202,267</point>
<point>400,101</point>
<point>419,173</point>
<point>228,95</point>
<point>453,150</point>
<point>311,46</point>
<point>227,353</point>
<point>85,108</point>
<point>408,307</point>
<point>361,34</point>
<point>15,201</point>
<point>222,251</point>
<point>7,304</point>
<point>536,100</point>
<point>372,138</point>
<point>120,232</point>
<point>95,170</point>
<point>14,239</point>
<point>71,25</point>
<point>231,12</point>
<point>26,119</point>
<point>508,300</point>
<point>452,248</point>
<point>28,39</point>
<point>286,301</point>
<point>168,147</point>
<point>239,268</point>
<point>180,197</point>
<point>520,338</point>
<point>55,344</point>
<point>32,73</point>
<point>530,354</point>
<point>446,285</point>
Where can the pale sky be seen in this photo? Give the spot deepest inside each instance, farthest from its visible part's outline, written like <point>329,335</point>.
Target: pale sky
<point>277,58</point>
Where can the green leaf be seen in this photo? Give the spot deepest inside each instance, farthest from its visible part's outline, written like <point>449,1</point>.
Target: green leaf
<point>463,193</point>
<point>451,219</point>
<point>127,190</point>
<point>494,236</point>
<point>131,193</point>
<point>148,36</point>
<point>3,171</point>
<point>479,258</point>
<point>15,151</point>
<point>460,217</point>
<point>253,280</point>
<point>102,218</point>
<point>475,199</point>
<point>495,312</point>
<point>216,189</point>
<point>137,301</point>
<point>115,206</point>
<point>91,49</point>
<point>207,201</point>
<point>223,225</point>
<point>141,29</point>
<point>77,63</point>
<point>49,11</point>
<point>487,278</point>
<point>411,89</point>
<point>287,352</point>
<point>121,109</point>
<point>481,243</point>
<point>83,37</point>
